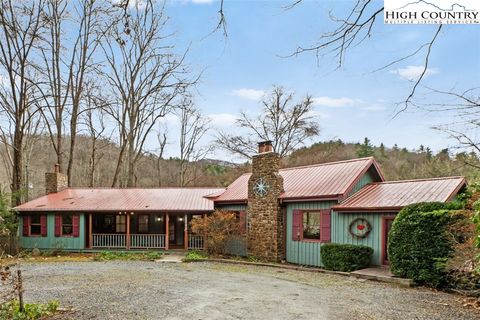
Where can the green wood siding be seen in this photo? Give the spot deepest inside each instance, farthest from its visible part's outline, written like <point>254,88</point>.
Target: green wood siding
<point>364,180</point>
<point>341,234</point>
<point>232,207</point>
<point>52,242</point>
<point>302,252</point>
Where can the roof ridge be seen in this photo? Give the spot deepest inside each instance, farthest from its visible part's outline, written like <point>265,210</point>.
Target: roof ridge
<point>418,180</point>
<point>328,163</point>
<point>141,188</point>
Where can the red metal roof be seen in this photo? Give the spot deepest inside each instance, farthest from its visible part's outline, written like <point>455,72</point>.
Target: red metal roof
<point>394,195</point>
<point>326,180</point>
<point>116,199</point>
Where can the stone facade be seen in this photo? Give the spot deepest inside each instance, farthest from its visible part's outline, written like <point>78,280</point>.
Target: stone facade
<point>265,217</point>
<point>55,181</point>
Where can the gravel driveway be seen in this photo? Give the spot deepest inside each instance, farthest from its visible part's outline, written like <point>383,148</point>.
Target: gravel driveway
<point>149,290</point>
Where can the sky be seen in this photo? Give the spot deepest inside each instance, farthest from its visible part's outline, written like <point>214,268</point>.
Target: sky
<point>351,102</point>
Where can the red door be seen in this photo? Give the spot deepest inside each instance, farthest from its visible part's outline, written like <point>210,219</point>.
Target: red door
<point>387,225</point>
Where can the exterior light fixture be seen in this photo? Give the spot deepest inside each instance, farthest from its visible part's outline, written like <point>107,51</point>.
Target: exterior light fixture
<point>159,219</point>
<point>131,213</point>
<point>180,219</point>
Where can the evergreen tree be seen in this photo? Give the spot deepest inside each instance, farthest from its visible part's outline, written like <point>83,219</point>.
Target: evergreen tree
<point>382,152</point>
<point>365,149</point>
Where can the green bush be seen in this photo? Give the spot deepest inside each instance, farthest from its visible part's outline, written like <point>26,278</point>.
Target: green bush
<point>196,255</point>
<point>121,255</point>
<point>345,257</point>
<point>33,311</point>
<point>420,244</point>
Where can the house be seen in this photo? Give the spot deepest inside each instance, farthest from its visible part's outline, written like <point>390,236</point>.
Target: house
<point>287,213</point>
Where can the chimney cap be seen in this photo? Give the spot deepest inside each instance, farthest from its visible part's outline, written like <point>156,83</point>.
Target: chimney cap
<point>265,143</point>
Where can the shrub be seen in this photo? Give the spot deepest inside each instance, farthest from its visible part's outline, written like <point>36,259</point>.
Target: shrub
<point>119,255</point>
<point>421,242</point>
<point>196,255</point>
<point>216,229</point>
<point>32,311</point>
<point>345,257</point>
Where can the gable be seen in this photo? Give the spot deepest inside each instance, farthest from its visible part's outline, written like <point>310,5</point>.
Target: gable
<point>321,181</point>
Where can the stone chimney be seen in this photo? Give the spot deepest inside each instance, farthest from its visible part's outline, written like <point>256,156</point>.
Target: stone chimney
<point>265,217</point>
<point>55,181</point>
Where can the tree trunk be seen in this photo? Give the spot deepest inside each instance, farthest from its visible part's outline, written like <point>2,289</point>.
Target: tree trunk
<point>119,166</point>
<point>17,172</point>
<point>131,163</point>
<point>73,138</point>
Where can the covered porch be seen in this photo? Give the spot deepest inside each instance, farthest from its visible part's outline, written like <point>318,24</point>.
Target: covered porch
<point>133,231</point>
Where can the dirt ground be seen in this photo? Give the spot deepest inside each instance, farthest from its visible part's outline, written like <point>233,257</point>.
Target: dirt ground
<point>150,290</point>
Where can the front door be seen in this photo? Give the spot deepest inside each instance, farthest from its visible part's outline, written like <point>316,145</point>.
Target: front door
<point>387,225</point>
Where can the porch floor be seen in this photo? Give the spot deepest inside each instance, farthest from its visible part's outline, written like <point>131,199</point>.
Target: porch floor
<point>382,274</point>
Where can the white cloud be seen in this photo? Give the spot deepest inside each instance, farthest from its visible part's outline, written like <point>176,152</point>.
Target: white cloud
<point>222,119</point>
<point>333,102</point>
<point>412,73</point>
<point>319,114</point>
<point>374,107</point>
<point>251,94</point>
<point>133,3</point>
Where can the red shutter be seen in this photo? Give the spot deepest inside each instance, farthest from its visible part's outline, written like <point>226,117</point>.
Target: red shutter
<point>243,221</point>
<point>297,225</point>
<point>325,225</point>
<point>43,225</point>
<point>76,225</point>
<point>26,226</point>
<point>58,225</point>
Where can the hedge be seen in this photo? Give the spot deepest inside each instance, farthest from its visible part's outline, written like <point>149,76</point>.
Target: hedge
<point>345,257</point>
<point>419,244</point>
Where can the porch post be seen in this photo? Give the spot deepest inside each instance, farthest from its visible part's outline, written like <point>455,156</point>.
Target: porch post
<point>185,232</point>
<point>167,235</point>
<point>90,228</point>
<point>128,230</point>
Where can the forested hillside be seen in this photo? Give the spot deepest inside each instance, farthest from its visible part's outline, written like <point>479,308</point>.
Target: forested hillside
<point>396,163</point>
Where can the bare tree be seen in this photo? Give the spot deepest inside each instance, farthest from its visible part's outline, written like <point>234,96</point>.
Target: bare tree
<point>55,94</point>
<point>356,27</point>
<point>145,76</point>
<point>90,33</point>
<point>193,127</point>
<point>282,121</point>
<point>162,142</point>
<point>95,122</point>
<point>21,28</point>
<point>65,78</point>
<point>464,107</point>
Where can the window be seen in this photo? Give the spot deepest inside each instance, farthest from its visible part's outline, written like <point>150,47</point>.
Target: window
<point>67,225</point>
<point>143,223</point>
<point>311,225</point>
<point>120,223</point>
<point>35,225</point>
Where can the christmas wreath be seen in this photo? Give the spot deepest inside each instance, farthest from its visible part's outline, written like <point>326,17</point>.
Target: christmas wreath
<point>360,228</point>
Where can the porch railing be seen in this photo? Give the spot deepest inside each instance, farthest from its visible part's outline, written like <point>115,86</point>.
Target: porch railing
<point>147,241</point>
<point>104,240</point>
<point>195,242</point>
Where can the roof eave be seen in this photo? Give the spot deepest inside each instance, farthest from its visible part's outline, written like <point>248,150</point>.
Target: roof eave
<point>367,209</point>
<point>86,210</point>
<point>311,198</point>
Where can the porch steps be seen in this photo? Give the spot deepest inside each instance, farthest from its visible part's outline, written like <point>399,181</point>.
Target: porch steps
<point>381,274</point>
<point>176,257</point>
